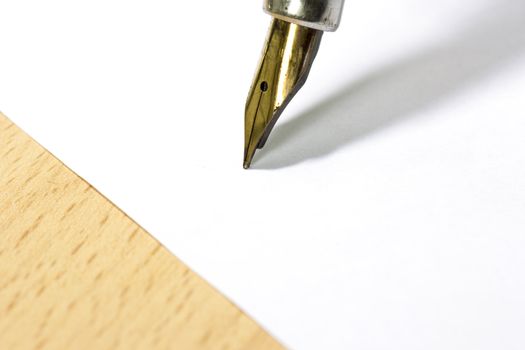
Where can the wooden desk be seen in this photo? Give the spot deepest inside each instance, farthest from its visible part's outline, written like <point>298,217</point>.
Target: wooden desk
<point>77,273</point>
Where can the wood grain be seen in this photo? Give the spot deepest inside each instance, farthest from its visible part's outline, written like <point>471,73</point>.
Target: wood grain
<point>77,273</point>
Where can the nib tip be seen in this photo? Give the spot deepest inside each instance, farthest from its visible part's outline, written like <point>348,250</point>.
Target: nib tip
<point>247,161</point>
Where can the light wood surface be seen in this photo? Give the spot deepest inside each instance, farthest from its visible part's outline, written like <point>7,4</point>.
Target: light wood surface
<point>77,273</point>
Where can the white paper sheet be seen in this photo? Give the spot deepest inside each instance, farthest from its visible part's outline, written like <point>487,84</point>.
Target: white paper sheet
<point>387,210</point>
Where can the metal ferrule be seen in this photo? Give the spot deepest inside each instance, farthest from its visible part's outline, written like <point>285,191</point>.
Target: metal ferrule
<point>322,15</point>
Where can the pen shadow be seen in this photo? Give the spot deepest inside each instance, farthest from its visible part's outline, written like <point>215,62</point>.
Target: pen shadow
<point>396,92</point>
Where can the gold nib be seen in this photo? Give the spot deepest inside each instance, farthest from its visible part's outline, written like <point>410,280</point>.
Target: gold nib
<point>288,54</point>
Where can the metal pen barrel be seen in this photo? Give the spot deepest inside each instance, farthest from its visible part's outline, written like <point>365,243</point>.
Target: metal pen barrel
<point>322,15</point>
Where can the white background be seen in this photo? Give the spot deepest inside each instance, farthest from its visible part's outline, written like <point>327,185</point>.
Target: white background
<point>387,210</point>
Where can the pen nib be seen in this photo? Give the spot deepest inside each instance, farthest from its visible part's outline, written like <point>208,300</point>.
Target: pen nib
<point>288,54</point>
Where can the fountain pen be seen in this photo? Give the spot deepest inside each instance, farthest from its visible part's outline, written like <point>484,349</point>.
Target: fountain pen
<point>292,43</point>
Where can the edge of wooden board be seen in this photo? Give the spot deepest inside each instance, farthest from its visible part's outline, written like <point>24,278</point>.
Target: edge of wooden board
<point>77,272</point>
